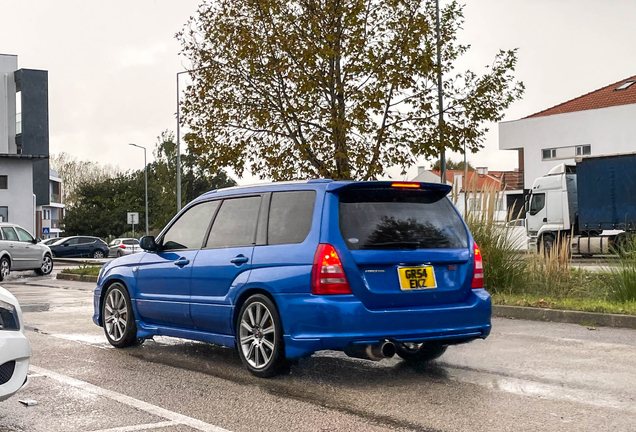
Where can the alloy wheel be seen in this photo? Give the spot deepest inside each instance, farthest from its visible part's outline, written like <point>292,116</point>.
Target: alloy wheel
<point>4,268</point>
<point>98,254</point>
<point>115,315</point>
<point>47,265</point>
<point>257,335</point>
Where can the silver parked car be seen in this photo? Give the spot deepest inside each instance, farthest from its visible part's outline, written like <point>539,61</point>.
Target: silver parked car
<point>123,246</point>
<point>20,251</point>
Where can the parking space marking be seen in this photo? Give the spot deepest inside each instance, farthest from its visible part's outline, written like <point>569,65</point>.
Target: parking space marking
<point>140,427</point>
<point>132,402</point>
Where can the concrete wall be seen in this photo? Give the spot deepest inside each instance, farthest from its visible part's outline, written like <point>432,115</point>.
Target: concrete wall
<point>8,64</point>
<point>607,130</point>
<point>19,195</point>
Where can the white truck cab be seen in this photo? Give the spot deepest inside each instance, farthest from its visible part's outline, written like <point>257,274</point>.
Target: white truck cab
<point>552,205</point>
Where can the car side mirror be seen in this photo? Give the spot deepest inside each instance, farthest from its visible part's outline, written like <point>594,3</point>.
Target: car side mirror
<point>148,243</point>
<point>65,244</point>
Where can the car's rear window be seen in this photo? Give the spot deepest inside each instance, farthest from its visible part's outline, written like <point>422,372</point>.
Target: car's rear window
<point>399,219</point>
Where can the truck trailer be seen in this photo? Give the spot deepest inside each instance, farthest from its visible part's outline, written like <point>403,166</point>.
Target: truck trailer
<point>590,204</point>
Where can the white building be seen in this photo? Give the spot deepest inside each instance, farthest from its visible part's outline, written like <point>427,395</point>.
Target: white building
<point>600,122</point>
<point>29,191</point>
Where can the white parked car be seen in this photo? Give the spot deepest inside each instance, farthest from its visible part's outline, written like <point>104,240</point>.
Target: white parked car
<point>20,251</point>
<point>15,349</point>
<point>123,246</point>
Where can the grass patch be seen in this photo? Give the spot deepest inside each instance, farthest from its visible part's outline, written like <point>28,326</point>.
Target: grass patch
<point>83,270</point>
<point>577,304</point>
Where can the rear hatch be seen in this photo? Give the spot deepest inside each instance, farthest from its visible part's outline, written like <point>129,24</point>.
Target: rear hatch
<point>403,246</point>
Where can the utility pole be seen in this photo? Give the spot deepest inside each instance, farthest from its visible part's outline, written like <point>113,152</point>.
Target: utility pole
<point>146,178</point>
<point>440,100</point>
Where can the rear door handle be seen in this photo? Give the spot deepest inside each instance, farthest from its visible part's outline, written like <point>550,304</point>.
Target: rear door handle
<point>181,262</point>
<point>240,259</point>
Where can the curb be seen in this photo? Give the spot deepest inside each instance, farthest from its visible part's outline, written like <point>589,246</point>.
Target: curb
<point>76,277</point>
<point>84,261</point>
<point>564,316</point>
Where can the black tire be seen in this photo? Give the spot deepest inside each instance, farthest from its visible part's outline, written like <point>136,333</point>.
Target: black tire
<point>47,266</point>
<point>118,337</point>
<point>5,268</point>
<point>547,243</point>
<point>119,254</point>
<point>420,353</point>
<point>257,339</point>
<point>98,253</point>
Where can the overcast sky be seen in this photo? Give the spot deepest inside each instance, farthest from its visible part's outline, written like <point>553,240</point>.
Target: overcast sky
<point>112,64</point>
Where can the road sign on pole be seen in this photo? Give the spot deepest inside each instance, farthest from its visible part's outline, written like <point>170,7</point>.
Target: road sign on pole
<point>133,218</point>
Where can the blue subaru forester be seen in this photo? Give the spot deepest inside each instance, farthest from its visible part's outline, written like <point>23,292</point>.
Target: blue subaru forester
<point>286,269</point>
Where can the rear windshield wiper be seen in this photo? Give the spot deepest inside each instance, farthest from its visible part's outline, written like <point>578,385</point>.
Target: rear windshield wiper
<point>396,244</point>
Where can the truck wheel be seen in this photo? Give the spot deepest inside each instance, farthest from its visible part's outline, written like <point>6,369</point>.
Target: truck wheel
<point>547,243</point>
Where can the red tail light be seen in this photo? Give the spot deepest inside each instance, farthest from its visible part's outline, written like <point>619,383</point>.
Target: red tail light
<point>328,276</point>
<point>478,275</point>
<point>123,247</point>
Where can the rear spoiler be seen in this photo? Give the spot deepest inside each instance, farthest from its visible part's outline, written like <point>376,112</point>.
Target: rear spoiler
<point>348,185</point>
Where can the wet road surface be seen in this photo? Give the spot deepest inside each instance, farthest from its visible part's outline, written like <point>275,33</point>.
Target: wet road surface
<point>527,376</point>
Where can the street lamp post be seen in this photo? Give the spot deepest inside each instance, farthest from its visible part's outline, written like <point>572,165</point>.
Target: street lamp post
<point>146,178</point>
<point>440,101</point>
<point>179,134</point>
<point>179,143</point>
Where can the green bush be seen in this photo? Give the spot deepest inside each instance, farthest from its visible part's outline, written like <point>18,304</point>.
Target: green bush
<point>619,280</point>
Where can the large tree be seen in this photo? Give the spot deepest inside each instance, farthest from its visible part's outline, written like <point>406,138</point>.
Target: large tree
<point>333,88</point>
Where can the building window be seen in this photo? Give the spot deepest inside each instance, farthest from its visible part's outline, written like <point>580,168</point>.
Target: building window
<point>625,85</point>
<point>4,214</point>
<point>583,150</point>
<point>4,182</point>
<point>55,192</point>
<point>548,154</point>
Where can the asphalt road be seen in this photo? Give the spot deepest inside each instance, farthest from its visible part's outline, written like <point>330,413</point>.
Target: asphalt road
<point>528,376</point>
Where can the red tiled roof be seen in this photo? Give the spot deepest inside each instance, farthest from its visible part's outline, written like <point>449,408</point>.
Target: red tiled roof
<point>492,179</point>
<point>601,98</point>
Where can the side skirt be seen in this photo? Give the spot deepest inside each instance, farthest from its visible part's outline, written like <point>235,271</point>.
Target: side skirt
<point>145,331</point>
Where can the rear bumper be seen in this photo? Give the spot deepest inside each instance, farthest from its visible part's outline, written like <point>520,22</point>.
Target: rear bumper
<point>314,323</point>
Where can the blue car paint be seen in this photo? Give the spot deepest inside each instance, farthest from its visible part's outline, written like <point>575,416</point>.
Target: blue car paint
<point>311,322</point>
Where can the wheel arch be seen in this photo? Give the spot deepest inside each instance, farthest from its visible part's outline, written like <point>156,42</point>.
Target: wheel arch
<point>8,255</point>
<point>242,298</point>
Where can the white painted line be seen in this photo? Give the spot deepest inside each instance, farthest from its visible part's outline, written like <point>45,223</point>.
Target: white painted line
<point>132,402</point>
<point>140,427</point>
<point>35,375</point>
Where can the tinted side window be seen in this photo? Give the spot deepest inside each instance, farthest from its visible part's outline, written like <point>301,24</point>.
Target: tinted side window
<point>23,235</point>
<point>189,230</point>
<point>235,224</point>
<point>537,203</point>
<point>85,240</point>
<point>290,216</point>
<point>73,241</point>
<point>9,234</point>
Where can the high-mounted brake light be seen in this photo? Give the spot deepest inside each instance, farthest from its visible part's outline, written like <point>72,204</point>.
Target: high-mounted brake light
<point>478,275</point>
<point>328,277</point>
<point>405,185</point>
